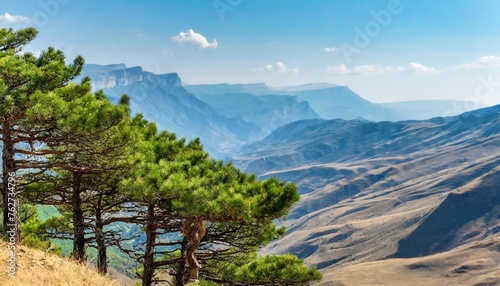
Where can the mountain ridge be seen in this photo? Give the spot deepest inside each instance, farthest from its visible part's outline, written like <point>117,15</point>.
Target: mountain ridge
<point>339,138</point>
<point>414,197</point>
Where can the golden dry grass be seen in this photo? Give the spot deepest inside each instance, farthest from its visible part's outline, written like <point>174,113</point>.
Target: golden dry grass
<point>473,264</point>
<point>35,267</point>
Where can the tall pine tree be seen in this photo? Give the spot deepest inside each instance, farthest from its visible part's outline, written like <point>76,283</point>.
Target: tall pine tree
<point>23,77</point>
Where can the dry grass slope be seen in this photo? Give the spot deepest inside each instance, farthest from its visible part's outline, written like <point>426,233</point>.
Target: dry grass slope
<point>475,264</point>
<point>35,267</point>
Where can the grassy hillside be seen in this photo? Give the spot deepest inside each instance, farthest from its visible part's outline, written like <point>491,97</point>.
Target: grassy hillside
<point>35,267</point>
<point>472,264</point>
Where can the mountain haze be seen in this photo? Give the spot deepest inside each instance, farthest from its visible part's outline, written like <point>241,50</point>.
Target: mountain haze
<point>425,109</point>
<point>342,102</point>
<point>225,88</point>
<point>266,111</point>
<point>327,100</point>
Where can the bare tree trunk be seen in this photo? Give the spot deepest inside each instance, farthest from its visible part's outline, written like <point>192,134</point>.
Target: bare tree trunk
<point>102,264</point>
<point>194,231</point>
<point>148,273</point>
<point>181,266</point>
<point>78,221</point>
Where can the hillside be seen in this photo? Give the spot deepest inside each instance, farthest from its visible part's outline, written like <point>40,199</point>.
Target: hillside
<point>472,264</point>
<point>35,267</point>
<point>379,191</point>
<point>320,141</point>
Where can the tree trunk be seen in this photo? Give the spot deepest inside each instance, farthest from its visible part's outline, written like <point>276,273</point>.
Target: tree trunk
<point>194,231</point>
<point>102,264</point>
<point>181,266</point>
<point>78,222</point>
<point>11,223</point>
<point>148,273</point>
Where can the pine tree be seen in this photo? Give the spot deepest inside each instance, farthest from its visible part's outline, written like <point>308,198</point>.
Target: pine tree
<point>159,165</point>
<point>221,213</point>
<point>95,138</point>
<point>23,77</point>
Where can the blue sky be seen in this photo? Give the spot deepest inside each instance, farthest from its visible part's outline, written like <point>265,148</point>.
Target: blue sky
<point>385,50</point>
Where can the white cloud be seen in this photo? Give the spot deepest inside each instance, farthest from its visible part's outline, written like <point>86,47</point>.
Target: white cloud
<point>277,67</point>
<point>331,49</point>
<point>413,68</point>
<point>358,70</point>
<point>13,19</point>
<point>482,62</point>
<point>418,69</point>
<point>190,37</point>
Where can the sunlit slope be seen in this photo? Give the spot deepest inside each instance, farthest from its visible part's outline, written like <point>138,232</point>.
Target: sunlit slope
<point>35,267</point>
<point>476,264</point>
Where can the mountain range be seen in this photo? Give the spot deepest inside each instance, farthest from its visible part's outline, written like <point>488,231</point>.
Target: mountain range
<point>412,198</point>
<point>228,116</point>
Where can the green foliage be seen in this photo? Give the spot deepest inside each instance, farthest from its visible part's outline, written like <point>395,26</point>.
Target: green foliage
<point>65,245</point>
<point>120,261</point>
<point>33,230</point>
<point>46,211</point>
<point>37,243</point>
<point>271,270</point>
<point>15,40</point>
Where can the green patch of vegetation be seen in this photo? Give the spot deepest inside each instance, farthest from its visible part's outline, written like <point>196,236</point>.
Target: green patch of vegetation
<point>46,211</point>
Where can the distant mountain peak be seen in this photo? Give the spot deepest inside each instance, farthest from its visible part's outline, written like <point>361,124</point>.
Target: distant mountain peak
<point>307,86</point>
<point>259,88</point>
<point>115,75</point>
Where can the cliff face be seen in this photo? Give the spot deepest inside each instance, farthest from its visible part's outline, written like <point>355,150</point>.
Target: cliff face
<point>119,76</point>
